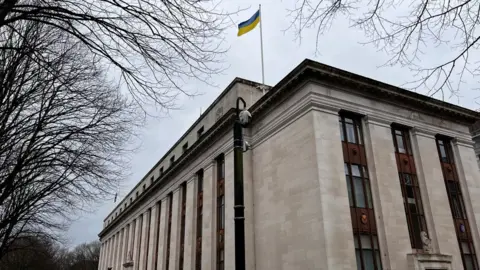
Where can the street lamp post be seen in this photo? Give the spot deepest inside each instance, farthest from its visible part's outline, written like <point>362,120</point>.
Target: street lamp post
<point>241,120</point>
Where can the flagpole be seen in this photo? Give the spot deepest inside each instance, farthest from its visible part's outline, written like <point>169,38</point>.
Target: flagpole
<point>261,45</point>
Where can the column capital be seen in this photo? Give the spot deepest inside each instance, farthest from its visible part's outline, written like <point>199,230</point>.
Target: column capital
<point>463,142</point>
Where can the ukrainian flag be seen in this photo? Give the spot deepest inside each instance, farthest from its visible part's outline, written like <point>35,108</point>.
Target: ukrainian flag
<point>248,25</point>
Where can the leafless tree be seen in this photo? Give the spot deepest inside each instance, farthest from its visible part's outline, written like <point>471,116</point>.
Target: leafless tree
<point>63,131</point>
<point>154,46</point>
<point>406,30</point>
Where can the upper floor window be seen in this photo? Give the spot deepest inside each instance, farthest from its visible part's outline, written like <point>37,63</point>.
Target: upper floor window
<point>185,147</point>
<point>401,140</point>
<point>350,129</point>
<point>200,132</point>
<point>172,160</point>
<point>443,149</point>
<point>161,171</point>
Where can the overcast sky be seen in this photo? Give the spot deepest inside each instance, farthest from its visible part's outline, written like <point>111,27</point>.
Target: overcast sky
<point>339,47</point>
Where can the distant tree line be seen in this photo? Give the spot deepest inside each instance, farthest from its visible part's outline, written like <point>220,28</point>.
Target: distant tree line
<point>43,253</point>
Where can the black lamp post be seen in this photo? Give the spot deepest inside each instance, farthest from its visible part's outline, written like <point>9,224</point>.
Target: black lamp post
<point>241,120</point>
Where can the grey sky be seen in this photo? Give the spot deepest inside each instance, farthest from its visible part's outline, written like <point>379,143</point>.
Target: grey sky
<point>339,47</point>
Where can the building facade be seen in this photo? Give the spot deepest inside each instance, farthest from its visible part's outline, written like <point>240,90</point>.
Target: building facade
<point>343,172</point>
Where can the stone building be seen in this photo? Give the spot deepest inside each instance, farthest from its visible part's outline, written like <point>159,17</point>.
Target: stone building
<point>343,172</point>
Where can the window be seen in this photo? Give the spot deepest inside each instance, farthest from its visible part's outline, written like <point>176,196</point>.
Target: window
<point>198,249</point>
<point>151,180</point>
<point>125,205</point>
<point>136,194</point>
<point>172,160</point>
<point>359,192</point>
<point>131,200</point>
<point>148,217</point>
<point>169,229</point>
<point>350,130</point>
<point>457,207</point>
<point>200,132</point>
<point>409,186</point>
<point>157,233</point>
<point>185,147</point>
<point>220,212</point>
<point>161,171</point>
<point>358,186</point>
<point>182,225</point>
<point>144,187</point>
<point>367,252</point>
<point>140,220</point>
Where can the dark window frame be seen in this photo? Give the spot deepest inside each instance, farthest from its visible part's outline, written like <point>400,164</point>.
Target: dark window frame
<point>157,232</point>
<point>220,216</point>
<point>199,221</point>
<point>169,229</point>
<point>411,195</point>
<point>452,185</point>
<point>182,225</point>
<point>352,138</point>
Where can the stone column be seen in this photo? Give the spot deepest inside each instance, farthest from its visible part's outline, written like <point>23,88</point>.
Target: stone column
<point>123,256</point>
<point>101,258</point>
<point>137,243</point>
<point>336,223</point>
<point>142,264</point>
<point>152,242</point>
<point>162,239</point>
<point>107,250</point>
<point>114,250</point>
<point>208,226</point>
<point>175,230</point>
<point>392,227</point>
<point>434,196</point>
<point>190,221</point>
<point>120,249</point>
<point>110,251</point>
<point>469,175</point>
<point>131,240</point>
<point>229,214</point>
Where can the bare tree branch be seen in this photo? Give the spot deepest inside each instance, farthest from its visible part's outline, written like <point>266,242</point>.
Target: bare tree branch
<point>406,30</point>
<point>152,46</point>
<point>63,131</point>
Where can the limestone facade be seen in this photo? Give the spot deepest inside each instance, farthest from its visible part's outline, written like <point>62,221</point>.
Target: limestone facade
<point>299,212</point>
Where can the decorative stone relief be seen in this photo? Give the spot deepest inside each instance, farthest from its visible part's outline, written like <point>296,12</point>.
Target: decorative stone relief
<point>129,263</point>
<point>427,242</point>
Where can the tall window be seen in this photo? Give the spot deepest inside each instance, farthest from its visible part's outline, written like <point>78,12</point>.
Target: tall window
<point>139,247</point>
<point>412,200</point>
<point>221,212</point>
<point>147,233</point>
<point>457,206</point>
<point>169,229</point>
<point>182,225</point>
<point>198,253</point>
<point>157,233</point>
<point>367,252</point>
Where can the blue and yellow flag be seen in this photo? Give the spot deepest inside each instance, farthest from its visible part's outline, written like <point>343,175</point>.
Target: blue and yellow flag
<point>248,25</point>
